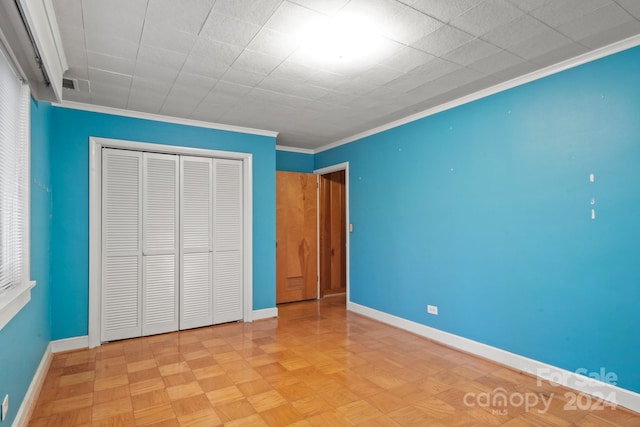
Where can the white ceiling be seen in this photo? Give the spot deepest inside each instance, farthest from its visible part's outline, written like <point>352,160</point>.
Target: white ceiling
<point>235,62</point>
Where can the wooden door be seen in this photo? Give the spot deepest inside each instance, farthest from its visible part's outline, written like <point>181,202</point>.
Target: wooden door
<point>333,236</point>
<point>296,237</point>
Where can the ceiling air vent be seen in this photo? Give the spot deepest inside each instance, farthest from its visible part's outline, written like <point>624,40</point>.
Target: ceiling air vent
<point>69,84</point>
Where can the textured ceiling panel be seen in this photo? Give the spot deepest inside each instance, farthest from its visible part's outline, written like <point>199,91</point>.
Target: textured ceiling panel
<point>486,16</point>
<point>444,10</point>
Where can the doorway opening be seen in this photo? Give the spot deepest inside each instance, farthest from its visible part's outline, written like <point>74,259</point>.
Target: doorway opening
<point>332,234</point>
<point>312,234</point>
<point>343,260</point>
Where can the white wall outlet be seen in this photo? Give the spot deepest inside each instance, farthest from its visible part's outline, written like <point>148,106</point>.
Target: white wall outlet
<point>5,406</point>
<point>432,309</point>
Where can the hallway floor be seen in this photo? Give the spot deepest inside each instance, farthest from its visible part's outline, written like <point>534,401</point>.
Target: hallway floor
<point>316,365</point>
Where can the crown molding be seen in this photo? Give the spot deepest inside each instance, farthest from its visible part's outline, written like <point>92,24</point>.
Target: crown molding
<point>294,149</point>
<point>162,118</point>
<point>500,87</point>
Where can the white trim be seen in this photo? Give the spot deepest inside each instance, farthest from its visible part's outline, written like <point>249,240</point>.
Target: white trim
<point>11,58</point>
<point>95,215</point>
<point>27,211</point>
<point>31,396</point>
<point>68,344</point>
<point>500,87</point>
<point>611,393</point>
<point>294,149</point>
<point>167,149</point>
<point>162,118</point>
<point>265,313</point>
<point>334,168</point>
<point>318,211</point>
<point>42,23</point>
<point>95,241</point>
<point>13,300</point>
<point>247,234</point>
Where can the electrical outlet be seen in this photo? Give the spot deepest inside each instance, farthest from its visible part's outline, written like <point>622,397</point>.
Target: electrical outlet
<point>432,309</point>
<point>5,406</point>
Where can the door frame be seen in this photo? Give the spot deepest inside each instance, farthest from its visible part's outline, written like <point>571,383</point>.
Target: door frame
<point>95,219</point>
<point>322,171</point>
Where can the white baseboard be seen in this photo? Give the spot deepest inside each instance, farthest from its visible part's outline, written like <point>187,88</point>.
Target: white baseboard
<point>68,344</point>
<point>265,313</point>
<point>28,403</point>
<point>572,380</point>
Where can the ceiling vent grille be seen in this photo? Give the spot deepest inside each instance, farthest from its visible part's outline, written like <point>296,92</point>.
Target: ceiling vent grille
<point>69,84</point>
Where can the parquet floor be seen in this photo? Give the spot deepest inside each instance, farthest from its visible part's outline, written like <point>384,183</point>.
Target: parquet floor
<point>316,365</point>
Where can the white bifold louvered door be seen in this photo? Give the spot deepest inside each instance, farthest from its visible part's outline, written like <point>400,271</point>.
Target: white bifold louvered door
<point>227,240</point>
<point>121,244</point>
<point>139,244</point>
<point>196,308</point>
<point>172,238</point>
<point>160,243</point>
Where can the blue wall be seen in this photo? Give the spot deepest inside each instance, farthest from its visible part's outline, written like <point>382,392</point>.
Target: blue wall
<point>24,339</point>
<point>294,162</point>
<point>71,130</point>
<point>485,211</point>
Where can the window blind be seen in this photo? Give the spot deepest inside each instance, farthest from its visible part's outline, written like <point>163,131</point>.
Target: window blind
<point>14,176</point>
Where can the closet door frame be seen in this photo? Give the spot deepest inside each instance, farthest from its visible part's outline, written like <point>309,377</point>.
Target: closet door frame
<point>95,220</point>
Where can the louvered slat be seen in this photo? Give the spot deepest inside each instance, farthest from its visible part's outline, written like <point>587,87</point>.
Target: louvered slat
<point>227,291</point>
<point>228,204</point>
<point>196,291</point>
<point>227,252</point>
<point>160,312</point>
<point>121,297</point>
<point>195,298</point>
<point>121,207</point>
<point>122,255</point>
<point>196,204</point>
<point>160,202</point>
<point>160,233</point>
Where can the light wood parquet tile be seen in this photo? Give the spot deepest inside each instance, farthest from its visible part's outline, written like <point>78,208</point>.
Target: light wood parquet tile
<point>206,417</point>
<point>150,399</point>
<point>154,415</point>
<point>111,408</point>
<point>316,365</point>
<point>191,405</point>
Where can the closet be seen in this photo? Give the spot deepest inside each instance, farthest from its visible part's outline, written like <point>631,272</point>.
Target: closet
<point>171,242</point>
